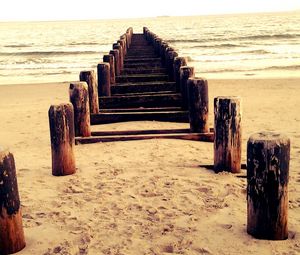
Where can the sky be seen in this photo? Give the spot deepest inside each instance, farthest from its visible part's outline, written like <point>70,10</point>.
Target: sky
<point>27,10</point>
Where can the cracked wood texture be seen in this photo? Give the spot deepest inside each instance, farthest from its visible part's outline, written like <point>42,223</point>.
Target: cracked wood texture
<point>62,134</point>
<point>80,100</point>
<point>228,134</point>
<point>11,230</point>
<point>198,105</point>
<point>268,156</point>
<point>90,78</point>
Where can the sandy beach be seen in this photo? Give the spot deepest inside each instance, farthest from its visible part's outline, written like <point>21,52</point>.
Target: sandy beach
<point>145,197</point>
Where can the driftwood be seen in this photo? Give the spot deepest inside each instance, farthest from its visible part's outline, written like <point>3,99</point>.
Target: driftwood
<point>62,134</point>
<point>11,229</point>
<point>268,156</point>
<point>228,134</point>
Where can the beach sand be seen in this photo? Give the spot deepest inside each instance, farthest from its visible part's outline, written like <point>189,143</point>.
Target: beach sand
<point>145,197</point>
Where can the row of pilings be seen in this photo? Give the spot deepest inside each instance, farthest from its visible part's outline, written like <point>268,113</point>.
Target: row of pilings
<point>268,153</point>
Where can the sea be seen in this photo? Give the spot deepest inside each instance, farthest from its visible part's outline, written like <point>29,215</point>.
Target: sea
<point>265,45</point>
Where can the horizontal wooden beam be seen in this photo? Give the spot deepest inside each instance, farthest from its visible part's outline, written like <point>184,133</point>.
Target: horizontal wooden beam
<point>141,132</point>
<point>143,70</point>
<point>143,87</point>
<point>141,109</point>
<point>139,60</point>
<point>143,65</point>
<point>160,100</point>
<point>204,137</point>
<point>113,117</point>
<point>142,77</point>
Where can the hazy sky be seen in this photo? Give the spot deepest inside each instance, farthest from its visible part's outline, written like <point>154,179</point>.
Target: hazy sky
<point>99,9</point>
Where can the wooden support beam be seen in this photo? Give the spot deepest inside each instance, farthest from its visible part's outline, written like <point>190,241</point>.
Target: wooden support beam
<point>143,87</point>
<point>208,137</point>
<point>78,92</point>
<point>228,134</point>
<point>143,65</point>
<point>173,116</point>
<point>141,78</point>
<point>139,60</point>
<point>268,155</point>
<point>198,104</point>
<point>142,109</point>
<point>160,100</point>
<point>62,134</point>
<point>111,60</point>
<point>144,71</point>
<point>103,71</point>
<point>11,229</point>
<point>140,132</point>
<point>90,78</point>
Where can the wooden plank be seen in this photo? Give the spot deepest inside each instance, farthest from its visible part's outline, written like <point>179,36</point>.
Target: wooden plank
<point>140,132</point>
<point>138,60</point>
<point>173,116</point>
<point>142,109</point>
<point>141,77</point>
<point>161,100</point>
<point>143,87</point>
<point>147,93</point>
<point>126,71</point>
<point>204,137</point>
<point>143,65</point>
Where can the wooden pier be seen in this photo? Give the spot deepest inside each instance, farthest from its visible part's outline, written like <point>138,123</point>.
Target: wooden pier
<point>139,80</point>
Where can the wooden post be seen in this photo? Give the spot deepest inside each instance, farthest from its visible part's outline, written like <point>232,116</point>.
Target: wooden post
<point>80,100</point>
<point>186,72</point>
<point>268,156</point>
<point>228,134</point>
<point>111,60</point>
<point>178,62</point>
<point>103,79</point>
<point>171,55</point>
<point>118,47</point>
<point>90,78</point>
<point>123,45</point>
<point>198,105</point>
<point>116,54</point>
<point>62,135</point>
<point>11,229</point>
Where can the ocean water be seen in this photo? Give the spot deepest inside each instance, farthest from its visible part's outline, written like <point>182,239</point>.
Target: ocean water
<point>228,46</point>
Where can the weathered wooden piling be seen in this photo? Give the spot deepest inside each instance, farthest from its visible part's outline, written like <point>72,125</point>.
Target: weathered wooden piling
<point>268,156</point>
<point>12,237</point>
<point>111,60</point>
<point>186,72</point>
<point>178,62</point>
<point>228,134</point>
<point>170,56</point>
<point>79,98</point>
<point>117,46</point>
<point>90,78</point>
<point>62,135</point>
<point>103,70</point>
<point>116,54</point>
<point>198,105</point>
<point>123,45</point>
